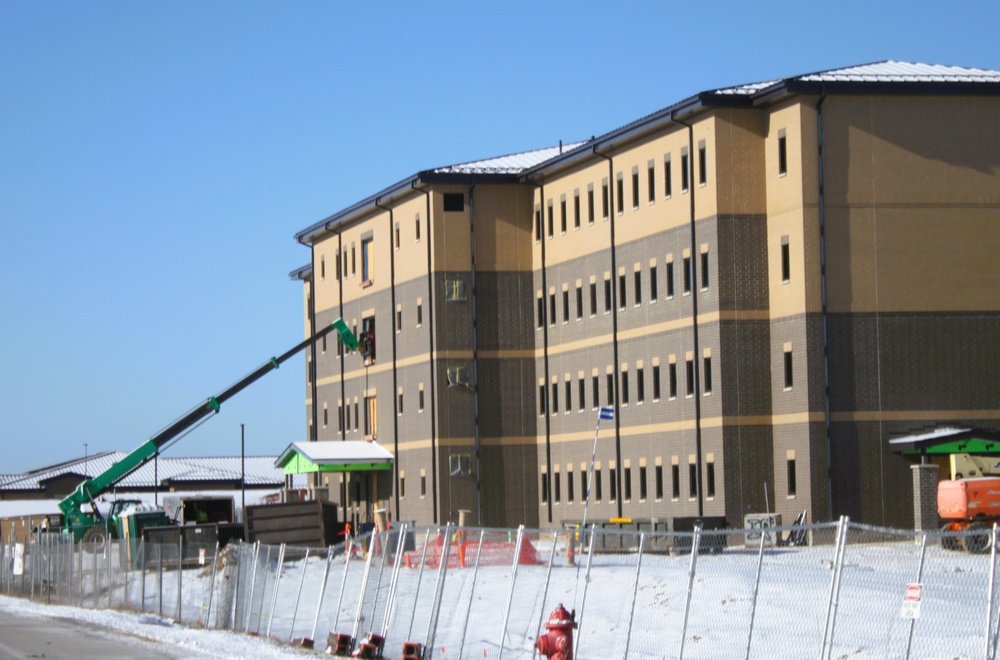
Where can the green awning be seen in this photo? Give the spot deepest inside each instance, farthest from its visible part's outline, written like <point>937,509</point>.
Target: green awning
<point>334,456</point>
<point>946,441</point>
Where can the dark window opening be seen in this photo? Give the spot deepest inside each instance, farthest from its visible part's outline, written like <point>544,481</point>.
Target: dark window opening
<point>624,388</point>
<point>638,288</point>
<point>590,206</point>
<point>611,389</point>
<point>627,484</point>
<point>621,292</point>
<point>552,309</point>
<point>659,482</point>
<point>643,490</point>
<point>690,377</point>
<point>569,486</point>
<point>454,202</point>
<point>791,476</point>
<point>673,380</point>
<point>593,298</point>
<point>541,400</point>
<point>562,215</point>
<point>670,279</point>
<point>576,218</point>
<point>582,393</point>
<point>545,487</point>
<point>653,284</point>
<point>607,296</point>
<point>640,384</point>
<point>675,477</point>
<point>569,396</point>
<point>635,189</point>
<point>687,274</point>
<point>789,380</point>
<point>702,165</point>
<point>541,311</point>
<point>606,200</point>
<point>555,398</point>
<point>656,382</point>
<point>692,480</point>
<point>708,375</point>
<point>620,193</point>
<point>704,271</point>
<point>551,220</point>
<point>667,184</point>
<point>565,302</point>
<point>651,183</point>
<point>538,225</point>
<point>579,302</point>
<point>596,394</point>
<point>786,262</point>
<point>613,484</point>
<point>597,485</point>
<point>558,488</point>
<point>782,155</point>
<point>710,480</point>
<point>685,173</point>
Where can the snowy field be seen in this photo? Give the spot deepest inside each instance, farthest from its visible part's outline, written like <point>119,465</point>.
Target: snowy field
<point>653,605</point>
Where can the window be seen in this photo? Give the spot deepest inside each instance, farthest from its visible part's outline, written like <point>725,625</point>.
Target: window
<point>638,287</point>
<point>590,205</point>
<point>673,380</point>
<point>656,382</point>
<point>558,488</point>
<point>667,186</point>
<point>326,416</point>
<point>579,302</point>
<point>627,483</point>
<point>611,389</point>
<point>541,399</point>
<point>702,163</point>
<point>624,387</point>
<point>340,417</point>
<point>640,384</point>
<point>692,480</point>
<point>607,295</point>
<point>593,298</point>
<point>338,265</point>
<point>675,478</point>
<point>653,284</point>
<point>710,479</point>
<point>583,483</point>
<point>569,484</point>
<point>357,415</point>
<point>420,314</point>
<point>670,279</point>
<point>550,219</point>
<point>658,476</point>
<point>704,271</point>
<point>685,170</point>
<point>354,261</point>
<point>399,403</point>
<point>402,485</point>
<point>367,339</point>
<point>371,417</point>
<point>569,396</point>
<point>620,194</point>
<point>595,395</point>
<point>347,416</point>
<point>454,202</point>
<point>642,483</point>
<point>576,219</point>
<point>555,398</point>
<point>399,318</point>
<point>552,308</point>
<point>344,261</point>
<point>581,394</point>
<point>687,275</point>
<point>545,487</point>
<point>423,485</point>
<point>613,484</point>
<point>322,268</point>
<point>790,466</point>
<point>786,263</point>
<point>621,291</point>
<point>707,367</point>
<point>635,187</point>
<point>454,290</point>
<point>690,377</point>
<point>420,398</point>
<point>562,214</point>
<point>789,379</point>
<point>541,311</point>
<point>538,224</point>
<point>395,235</point>
<point>565,302</point>
<point>782,153</point>
<point>651,182</point>
<point>597,485</point>
<point>416,228</point>
<point>606,199</point>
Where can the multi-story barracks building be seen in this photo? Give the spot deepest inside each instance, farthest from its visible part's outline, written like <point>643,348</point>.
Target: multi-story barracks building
<point>766,282</point>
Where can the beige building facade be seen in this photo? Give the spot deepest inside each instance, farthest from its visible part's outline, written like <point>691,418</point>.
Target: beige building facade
<point>766,282</point>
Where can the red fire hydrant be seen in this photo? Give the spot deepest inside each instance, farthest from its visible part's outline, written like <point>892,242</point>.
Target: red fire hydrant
<point>557,643</point>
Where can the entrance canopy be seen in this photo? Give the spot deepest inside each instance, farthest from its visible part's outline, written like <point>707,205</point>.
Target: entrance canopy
<point>334,456</point>
<point>948,441</point>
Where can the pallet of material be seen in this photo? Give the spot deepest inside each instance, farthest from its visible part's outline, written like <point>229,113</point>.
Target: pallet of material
<point>305,524</point>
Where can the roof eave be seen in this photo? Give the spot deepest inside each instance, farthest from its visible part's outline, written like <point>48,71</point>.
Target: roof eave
<point>788,88</point>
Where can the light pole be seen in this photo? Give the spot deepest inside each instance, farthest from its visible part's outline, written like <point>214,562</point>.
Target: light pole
<point>243,466</point>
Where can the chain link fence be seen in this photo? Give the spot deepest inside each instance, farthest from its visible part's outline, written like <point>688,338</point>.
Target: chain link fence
<point>830,590</point>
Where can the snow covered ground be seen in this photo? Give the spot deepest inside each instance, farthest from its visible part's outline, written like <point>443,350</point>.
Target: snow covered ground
<point>627,609</point>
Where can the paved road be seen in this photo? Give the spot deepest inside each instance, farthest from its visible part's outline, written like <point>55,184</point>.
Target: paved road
<point>60,637</point>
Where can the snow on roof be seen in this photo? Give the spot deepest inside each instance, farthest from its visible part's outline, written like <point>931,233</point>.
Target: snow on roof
<point>509,164</point>
<point>347,452</point>
<point>260,471</point>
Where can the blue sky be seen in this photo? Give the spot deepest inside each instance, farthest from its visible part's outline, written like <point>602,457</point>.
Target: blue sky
<point>156,159</point>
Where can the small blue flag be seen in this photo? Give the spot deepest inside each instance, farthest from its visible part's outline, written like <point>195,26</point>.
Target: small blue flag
<point>607,412</point>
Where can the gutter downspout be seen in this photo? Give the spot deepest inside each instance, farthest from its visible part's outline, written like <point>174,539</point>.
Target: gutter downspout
<point>619,495</point>
<point>545,353</point>
<point>694,314</point>
<point>822,278</point>
<point>475,353</point>
<point>314,427</point>
<point>341,424</point>
<point>395,376</point>
<point>433,366</point>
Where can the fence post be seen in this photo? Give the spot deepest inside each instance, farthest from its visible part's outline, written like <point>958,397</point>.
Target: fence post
<point>635,591</point>
<point>420,578</point>
<point>211,588</point>
<point>920,577</point>
<point>695,547</point>
<point>831,610</point>
<point>989,592</point>
<point>349,551</point>
<point>277,583</point>
<point>510,591</point>
<point>263,591</point>
<point>253,583</point>
<point>180,573</point>
<point>472,593</point>
<point>545,589</point>
<point>586,582</point>
<point>298,594</point>
<point>390,605</point>
<point>756,590</point>
<point>364,587</point>
<point>439,590</point>
<point>322,592</point>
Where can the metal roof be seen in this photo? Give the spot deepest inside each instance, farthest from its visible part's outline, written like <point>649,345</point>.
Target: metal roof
<point>343,452</point>
<point>510,164</point>
<point>260,471</point>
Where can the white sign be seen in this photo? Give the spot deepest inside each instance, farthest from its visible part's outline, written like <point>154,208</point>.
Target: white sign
<point>201,556</point>
<point>18,559</point>
<point>911,601</point>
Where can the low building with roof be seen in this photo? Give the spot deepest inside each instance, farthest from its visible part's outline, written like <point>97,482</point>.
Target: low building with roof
<point>765,281</point>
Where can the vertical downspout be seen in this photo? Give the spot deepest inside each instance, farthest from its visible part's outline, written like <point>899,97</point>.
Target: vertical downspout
<point>545,352</point>
<point>475,352</point>
<point>395,376</point>
<point>822,279</point>
<point>341,422</point>
<point>314,429</point>
<point>430,331</point>
<point>619,496</point>
<point>694,315</point>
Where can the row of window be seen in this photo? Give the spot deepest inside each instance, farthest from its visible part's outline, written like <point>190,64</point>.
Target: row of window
<point>653,281</point>
<point>666,187</point>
